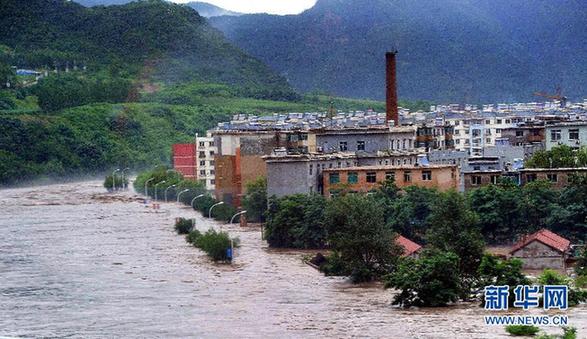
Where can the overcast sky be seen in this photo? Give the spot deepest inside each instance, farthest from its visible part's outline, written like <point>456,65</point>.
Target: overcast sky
<point>261,6</point>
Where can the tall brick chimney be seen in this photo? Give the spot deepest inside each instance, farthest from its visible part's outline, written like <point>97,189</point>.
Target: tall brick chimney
<point>391,88</point>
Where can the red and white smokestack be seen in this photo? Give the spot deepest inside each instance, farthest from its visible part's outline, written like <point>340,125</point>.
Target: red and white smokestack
<point>391,89</point>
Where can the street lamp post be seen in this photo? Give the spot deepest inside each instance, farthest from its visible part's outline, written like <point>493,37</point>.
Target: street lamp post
<point>236,215</point>
<point>114,179</point>
<point>216,204</point>
<point>182,192</point>
<point>147,183</point>
<point>194,199</point>
<point>167,190</point>
<point>157,184</point>
<point>124,184</point>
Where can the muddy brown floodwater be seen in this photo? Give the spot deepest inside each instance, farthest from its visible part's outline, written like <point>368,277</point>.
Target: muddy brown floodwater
<point>78,262</point>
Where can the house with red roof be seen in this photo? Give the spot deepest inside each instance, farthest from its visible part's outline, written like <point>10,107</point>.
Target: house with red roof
<point>541,250</point>
<point>411,249</point>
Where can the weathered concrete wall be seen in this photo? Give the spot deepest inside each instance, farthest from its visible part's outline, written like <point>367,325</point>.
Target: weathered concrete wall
<point>537,256</point>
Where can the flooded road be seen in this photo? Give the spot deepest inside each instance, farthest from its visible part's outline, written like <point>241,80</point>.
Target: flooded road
<point>78,262</point>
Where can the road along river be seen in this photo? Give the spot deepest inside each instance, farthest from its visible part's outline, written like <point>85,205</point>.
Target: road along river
<point>76,261</point>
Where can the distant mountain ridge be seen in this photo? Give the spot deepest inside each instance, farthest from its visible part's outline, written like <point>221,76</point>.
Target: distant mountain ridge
<point>152,39</point>
<point>449,51</point>
<point>204,9</point>
<point>208,10</point>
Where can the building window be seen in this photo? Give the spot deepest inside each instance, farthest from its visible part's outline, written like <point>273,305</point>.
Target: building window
<point>407,176</point>
<point>457,141</point>
<point>202,154</point>
<point>519,133</point>
<point>212,163</point>
<point>476,180</point>
<point>212,172</point>
<point>494,179</point>
<point>360,145</point>
<point>311,169</point>
<point>371,177</point>
<point>202,172</point>
<point>389,175</point>
<point>334,178</point>
<point>211,153</point>
<point>555,134</point>
<point>573,134</point>
<point>530,177</point>
<point>212,182</point>
<point>343,146</point>
<point>552,177</point>
<point>202,162</point>
<point>211,143</point>
<point>499,121</point>
<point>353,177</point>
<point>426,175</point>
<point>202,144</point>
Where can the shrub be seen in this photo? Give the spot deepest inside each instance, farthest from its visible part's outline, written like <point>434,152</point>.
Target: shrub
<point>215,244</point>
<point>335,265</point>
<point>522,330</point>
<point>193,236</point>
<point>581,281</point>
<point>183,226</point>
<point>568,333</point>
<point>432,280</point>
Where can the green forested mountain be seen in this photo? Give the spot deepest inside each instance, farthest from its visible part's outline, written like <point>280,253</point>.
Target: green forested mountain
<point>449,51</point>
<point>149,40</point>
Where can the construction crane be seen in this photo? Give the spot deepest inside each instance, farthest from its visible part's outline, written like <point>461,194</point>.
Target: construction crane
<point>557,96</point>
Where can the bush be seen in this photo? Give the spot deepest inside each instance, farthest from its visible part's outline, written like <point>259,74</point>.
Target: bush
<point>215,244</point>
<point>522,330</point>
<point>193,236</point>
<point>432,280</point>
<point>581,281</point>
<point>255,200</point>
<point>335,265</point>
<point>568,333</point>
<point>183,226</point>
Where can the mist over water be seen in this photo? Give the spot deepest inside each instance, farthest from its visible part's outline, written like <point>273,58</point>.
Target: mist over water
<point>78,262</point>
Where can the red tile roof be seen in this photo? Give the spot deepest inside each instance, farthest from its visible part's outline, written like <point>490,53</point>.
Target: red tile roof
<point>546,237</point>
<point>409,246</point>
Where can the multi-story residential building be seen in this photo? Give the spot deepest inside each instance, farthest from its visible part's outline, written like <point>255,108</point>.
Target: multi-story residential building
<point>367,178</point>
<point>559,177</point>
<point>368,140</point>
<point>302,173</point>
<point>437,136</point>
<point>572,134</point>
<point>206,151</point>
<point>475,133</point>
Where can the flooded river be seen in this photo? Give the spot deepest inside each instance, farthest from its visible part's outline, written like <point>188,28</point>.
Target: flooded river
<point>78,262</point>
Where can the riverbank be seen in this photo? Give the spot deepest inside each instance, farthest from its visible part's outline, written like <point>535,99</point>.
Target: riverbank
<point>78,261</point>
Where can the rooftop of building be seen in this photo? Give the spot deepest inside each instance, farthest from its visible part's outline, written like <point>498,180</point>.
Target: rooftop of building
<point>409,246</point>
<point>568,124</point>
<point>390,167</point>
<point>560,169</point>
<point>546,237</point>
<point>289,157</point>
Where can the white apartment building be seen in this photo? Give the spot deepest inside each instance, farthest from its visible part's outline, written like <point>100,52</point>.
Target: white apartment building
<point>205,153</point>
<point>473,134</point>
